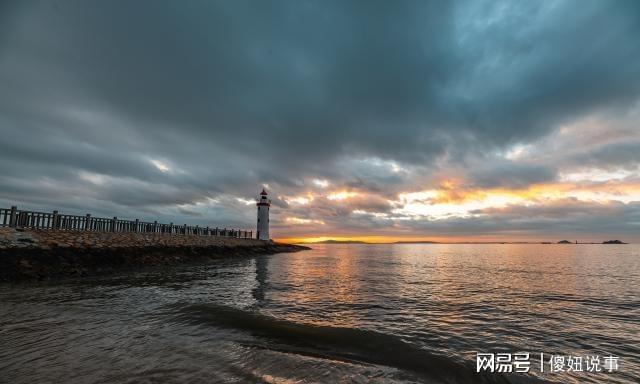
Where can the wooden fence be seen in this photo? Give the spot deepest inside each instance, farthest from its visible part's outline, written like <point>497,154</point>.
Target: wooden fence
<point>13,217</point>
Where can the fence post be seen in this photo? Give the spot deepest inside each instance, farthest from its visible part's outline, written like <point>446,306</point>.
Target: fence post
<point>87,222</point>
<point>251,234</point>
<point>113,224</point>
<point>55,219</point>
<point>12,216</point>
<point>155,226</point>
<point>171,228</point>
<point>136,225</point>
<point>185,229</point>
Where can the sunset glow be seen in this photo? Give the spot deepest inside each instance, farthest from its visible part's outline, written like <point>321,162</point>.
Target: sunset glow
<point>455,201</point>
<point>343,195</point>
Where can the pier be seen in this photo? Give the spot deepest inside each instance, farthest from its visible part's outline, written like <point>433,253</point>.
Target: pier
<point>44,245</point>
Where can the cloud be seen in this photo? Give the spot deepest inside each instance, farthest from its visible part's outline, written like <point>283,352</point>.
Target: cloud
<point>510,174</point>
<point>142,108</point>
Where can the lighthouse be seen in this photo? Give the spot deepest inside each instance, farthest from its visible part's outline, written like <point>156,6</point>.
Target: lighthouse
<point>263,216</point>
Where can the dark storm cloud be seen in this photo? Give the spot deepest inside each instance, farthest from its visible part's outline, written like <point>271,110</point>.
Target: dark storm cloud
<point>229,95</point>
<point>510,175</point>
<point>624,154</point>
<point>567,216</point>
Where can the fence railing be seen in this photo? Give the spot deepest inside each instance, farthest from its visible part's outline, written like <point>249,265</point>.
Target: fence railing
<point>13,217</point>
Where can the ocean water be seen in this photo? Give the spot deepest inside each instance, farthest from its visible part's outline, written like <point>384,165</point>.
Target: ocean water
<point>335,314</point>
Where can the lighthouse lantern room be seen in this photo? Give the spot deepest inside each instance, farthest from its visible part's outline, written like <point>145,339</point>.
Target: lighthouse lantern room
<point>263,216</point>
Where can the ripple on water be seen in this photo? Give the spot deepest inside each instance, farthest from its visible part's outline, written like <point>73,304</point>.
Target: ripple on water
<point>401,313</point>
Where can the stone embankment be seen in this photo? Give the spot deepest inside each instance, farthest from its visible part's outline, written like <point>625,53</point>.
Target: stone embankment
<point>41,255</point>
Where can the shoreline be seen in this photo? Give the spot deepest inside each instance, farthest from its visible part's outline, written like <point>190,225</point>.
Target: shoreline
<point>29,255</point>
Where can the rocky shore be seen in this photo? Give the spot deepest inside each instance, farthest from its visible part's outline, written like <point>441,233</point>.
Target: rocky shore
<point>30,255</point>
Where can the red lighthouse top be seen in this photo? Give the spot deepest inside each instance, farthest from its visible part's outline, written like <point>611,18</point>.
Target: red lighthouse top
<point>263,199</point>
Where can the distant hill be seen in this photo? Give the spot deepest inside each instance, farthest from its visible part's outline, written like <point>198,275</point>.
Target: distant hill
<point>364,242</point>
<point>416,242</point>
<point>338,242</point>
<point>613,242</point>
<point>564,242</point>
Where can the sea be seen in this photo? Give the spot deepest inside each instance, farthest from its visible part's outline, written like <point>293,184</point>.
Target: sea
<point>339,313</point>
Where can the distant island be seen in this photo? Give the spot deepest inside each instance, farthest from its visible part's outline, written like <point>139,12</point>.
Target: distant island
<point>604,242</point>
<point>364,242</point>
<point>416,242</point>
<point>337,242</point>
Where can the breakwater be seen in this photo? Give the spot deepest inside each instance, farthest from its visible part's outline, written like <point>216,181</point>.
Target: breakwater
<point>31,254</point>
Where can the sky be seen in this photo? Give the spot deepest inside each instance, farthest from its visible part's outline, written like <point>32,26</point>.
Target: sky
<point>377,120</point>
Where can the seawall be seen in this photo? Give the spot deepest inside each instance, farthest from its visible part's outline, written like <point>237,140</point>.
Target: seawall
<point>41,255</point>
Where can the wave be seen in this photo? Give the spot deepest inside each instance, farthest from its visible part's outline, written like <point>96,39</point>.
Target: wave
<point>344,344</point>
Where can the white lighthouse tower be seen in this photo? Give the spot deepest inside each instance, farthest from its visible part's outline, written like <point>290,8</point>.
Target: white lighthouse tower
<point>263,216</point>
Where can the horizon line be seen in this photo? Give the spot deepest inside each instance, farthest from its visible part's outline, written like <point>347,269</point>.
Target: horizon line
<point>388,240</point>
